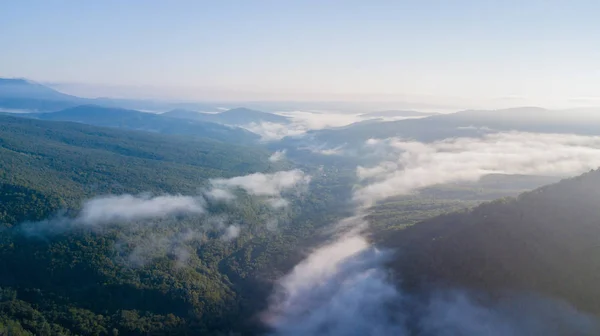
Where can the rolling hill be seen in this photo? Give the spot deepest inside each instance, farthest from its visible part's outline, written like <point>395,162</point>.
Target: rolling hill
<point>149,122</point>
<point>236,116</point>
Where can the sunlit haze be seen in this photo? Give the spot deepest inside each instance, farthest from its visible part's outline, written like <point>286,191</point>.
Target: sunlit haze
<point>443,54</point>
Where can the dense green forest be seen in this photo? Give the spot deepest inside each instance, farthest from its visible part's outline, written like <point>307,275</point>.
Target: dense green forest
<point>73,160</point>
<point>544,241</point>
<point>79,282</point>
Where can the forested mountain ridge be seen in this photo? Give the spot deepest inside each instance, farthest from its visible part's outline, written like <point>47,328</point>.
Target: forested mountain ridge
<point>544,241</point>
<point>150,122</point>
<point>236,116</point>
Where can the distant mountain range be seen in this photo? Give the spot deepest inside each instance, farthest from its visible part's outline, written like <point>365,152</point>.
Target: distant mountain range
<point>41,102</point>
<point>150,122</point>
<point>470,123</point>
<point>397,114</point>
<point>22,95</point>
<point>236,116</point>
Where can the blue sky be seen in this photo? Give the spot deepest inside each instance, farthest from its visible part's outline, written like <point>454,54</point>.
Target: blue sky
<point>527,50</point>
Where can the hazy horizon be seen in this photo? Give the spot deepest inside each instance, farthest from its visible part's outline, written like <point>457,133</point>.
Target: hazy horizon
<point>467,54</point>
<point>315,105</point>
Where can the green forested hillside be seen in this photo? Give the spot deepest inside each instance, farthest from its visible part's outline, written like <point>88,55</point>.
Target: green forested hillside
<point>177,276</point>
<point>83,282</point>
<point>544,241</point>
<point>72,160</point>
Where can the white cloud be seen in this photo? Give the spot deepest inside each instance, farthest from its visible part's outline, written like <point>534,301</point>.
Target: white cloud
<point>126,209</point>
<point>343,289</point>
<point>328,151</point>
<point>273,131</point>
<point>277,203</point>
<point>339,288</point>
<point>119,208</point>
<point>320,120</point>
<point>414,165</point>
<point>231,232</point>
<point>373,141</point>
<point>150,227</point>
<point>277,156</point>
<point>320,266</point>
<point>382,168</point>
<point>265,184</point>
<point>475,128</point>
<point>271,187</point>
<point>130,210</point>
<point>304,121</point>
<point>217,194</point>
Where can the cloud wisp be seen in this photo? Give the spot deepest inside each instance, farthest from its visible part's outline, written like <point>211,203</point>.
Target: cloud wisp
<point>126,209</point>
<point>141,248</point>
<point>304,121</point>
<point>151,226</point>
<point>277,156</point>
<point>340,289</point>
<point>270,131</point>
<point>414,165</point>
<point>103,211</point>
<point>270,187</point>
<point>121,208</point>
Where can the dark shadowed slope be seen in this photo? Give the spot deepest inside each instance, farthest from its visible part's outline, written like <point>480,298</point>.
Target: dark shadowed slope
<point>545,241</point>
<point>237,116</point>
<point>135,120</point>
